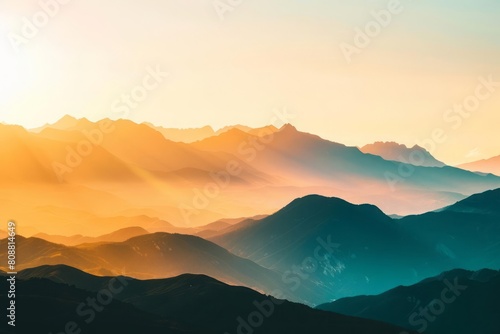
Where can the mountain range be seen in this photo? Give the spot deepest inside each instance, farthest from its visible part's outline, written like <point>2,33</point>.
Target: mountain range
<point>457,301</point>
<point>363,244</point>
<point>117,236</point>
<point>314,249</point>
<point>96,203</point>
<point>183,304</point>
<point>64,174</point>
<point>415,155</point>
<point>149,256</point>
<point>491,165</point>
<point>467,232</point>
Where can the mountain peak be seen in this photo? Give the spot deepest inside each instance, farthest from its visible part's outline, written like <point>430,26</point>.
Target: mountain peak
<point>185,135</point>
<point>288,127</point>
<point>388,143</point>
<point>228,128</point>
<point>418,147</point>
<point>399,152</point>
<point>330,206</point>
<point>67,121</point>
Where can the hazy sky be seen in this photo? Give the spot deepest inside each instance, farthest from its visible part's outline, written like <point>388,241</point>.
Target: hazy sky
<point>265,54</point>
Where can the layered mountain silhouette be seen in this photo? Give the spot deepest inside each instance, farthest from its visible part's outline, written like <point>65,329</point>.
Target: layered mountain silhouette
<point>184,135</point>
<point>122,234</point>
<point>224,226</point>
<point>117,236</point>
<point>183,304</point>
<point>117,198</point>
<point>314,249</point>
<point>63,221</point>
<point>155,255</point>
<point>491,165</point>
<point>112,169</point>
<point>415,155</point>
<point>467,232</point>
<point>345,249</point>
<point>364,244</point>
<point>196,134</point>
<point>306,160</point>
<point>455,302</point>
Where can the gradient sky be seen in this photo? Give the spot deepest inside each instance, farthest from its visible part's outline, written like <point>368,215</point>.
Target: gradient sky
<point>264,55</point>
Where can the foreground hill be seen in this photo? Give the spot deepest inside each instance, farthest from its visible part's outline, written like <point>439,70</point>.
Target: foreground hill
<point>204,304</point>
<point>53,308</point>
<point>455,302</point>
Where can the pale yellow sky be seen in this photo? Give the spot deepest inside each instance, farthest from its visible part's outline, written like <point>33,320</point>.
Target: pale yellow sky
<point>263,55</point>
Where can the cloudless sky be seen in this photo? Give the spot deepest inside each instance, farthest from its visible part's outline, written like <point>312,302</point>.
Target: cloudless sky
<point>265,54</point>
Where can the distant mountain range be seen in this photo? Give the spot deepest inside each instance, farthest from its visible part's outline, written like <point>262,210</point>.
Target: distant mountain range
<point>491,165</point>
<point>218,227</point>
<point>183,304</point>
<point>184,135</point>
<point>117,236</point>
<point>86,172</point>
<point>415,155</point>
<point>455,302</point>
<point>196,134</point>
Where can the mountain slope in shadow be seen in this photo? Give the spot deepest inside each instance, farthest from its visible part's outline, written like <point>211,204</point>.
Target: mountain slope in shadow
<point>345,249</point>
<point>43,306</point>
<point>455,302</point>
<point>155,255</point>
<point>209,306</point>
<point>467,232</point>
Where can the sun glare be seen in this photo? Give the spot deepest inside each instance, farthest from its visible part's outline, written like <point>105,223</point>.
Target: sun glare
<point>14,74</point>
